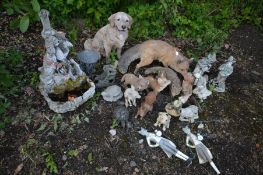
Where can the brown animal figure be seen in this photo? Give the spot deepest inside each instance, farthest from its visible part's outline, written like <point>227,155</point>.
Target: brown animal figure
<point>151,50</point>
<point>175,86</point>
<point>147,105</point>
<point>158,84</point>
<point>139,83</point>
<point>188,86</point>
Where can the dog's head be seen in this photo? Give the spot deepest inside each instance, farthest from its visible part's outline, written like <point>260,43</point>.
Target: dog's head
<point>122,21</point>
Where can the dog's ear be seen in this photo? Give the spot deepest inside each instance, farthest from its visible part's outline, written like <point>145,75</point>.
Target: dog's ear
<point>130,21</point>
<point>112,20</point>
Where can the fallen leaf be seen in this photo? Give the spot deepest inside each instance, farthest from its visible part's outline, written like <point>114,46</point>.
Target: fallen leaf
<point>19,168</point>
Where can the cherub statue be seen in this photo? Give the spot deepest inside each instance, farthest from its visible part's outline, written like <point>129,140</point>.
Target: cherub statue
<point>163,119</point>
<point>204,65</point>
<point>225,70</point>
<point>189,114</point>
<point>201,90</point>
<point>203,153</point>
<point>155,140</point>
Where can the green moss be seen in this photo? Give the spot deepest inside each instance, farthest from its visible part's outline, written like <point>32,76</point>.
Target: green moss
<point>70,85</point>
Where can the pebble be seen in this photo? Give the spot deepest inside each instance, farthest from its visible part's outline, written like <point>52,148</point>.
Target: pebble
<point>200,126</point>
<point>113,132</point>
<point>137,170</point>
<point>154,157</point>
<point>141,141</point>
<point>132,163</point>
<point>64,157</point>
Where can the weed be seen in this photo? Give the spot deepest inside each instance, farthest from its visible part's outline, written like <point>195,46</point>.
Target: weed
<point>92,102</point>
<point>113,57</point>
<point>50,163</point>
<point>4,105</point>
<point>34,79</point>
<point>90,157</point>
<point>114,123</point>
<point>56,120</point>
<point>73,153</point>
<point>27,10</point>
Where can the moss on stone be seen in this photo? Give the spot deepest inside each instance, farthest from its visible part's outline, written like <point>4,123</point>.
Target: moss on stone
<point>70,85</point>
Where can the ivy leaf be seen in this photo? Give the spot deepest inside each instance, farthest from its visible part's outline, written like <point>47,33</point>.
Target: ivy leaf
<point>24,23</point>
<point>70,1</point>
<point>42,127</point>
<point>90,157</point>
<point>35,5</point>
<point>10,11</point>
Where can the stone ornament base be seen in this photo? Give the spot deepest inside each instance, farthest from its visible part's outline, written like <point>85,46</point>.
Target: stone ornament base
<point>63,107</point>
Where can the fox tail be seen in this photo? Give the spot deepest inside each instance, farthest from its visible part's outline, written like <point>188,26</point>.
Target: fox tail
<point>128,57</point>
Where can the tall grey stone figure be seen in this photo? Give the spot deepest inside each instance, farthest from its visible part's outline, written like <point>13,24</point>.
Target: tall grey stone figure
<point>59,74</point>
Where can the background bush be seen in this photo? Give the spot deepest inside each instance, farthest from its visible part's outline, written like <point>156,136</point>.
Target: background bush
<point>203,23</point>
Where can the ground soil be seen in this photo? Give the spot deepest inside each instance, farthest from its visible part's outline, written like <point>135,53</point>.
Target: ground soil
<point>233,121</point>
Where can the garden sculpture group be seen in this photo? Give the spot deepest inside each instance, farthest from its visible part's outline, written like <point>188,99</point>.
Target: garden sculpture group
<point>61,76</point>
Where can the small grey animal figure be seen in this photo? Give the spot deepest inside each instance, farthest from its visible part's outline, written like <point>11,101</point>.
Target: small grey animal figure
<point>107,77</point>
<point>88,60</point>
<point>122,115</point>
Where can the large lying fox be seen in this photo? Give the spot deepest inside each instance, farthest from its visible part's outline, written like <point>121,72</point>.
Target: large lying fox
<point>151,50</point>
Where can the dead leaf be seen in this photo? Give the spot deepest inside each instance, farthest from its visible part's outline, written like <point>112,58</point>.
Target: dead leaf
<point>19,168</point>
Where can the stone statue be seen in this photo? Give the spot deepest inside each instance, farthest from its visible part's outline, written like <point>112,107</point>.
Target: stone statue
<point>112,93</point>
<point>203,153</point>
<point>201,90</point>
<point>59,75</point>
<point>225,70</point>
<point>204,65</point>
<point>107,77</point>
<point>155,140</point>
<point>189,114</point>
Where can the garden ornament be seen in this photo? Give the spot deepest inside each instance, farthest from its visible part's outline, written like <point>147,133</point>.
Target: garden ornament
<point>88,60</point>
<point>163,119</point>
<point>174,108</point>
<point>140,83</point>
<point>130,96</point>
<point>112,93</point>
<point>203,153</point>
<point>121,113</point>
<point>175,86</point>
<point>189,114</point>
<point>225,70</point>
<point>59,75</point>
<point>107,77</point>
<point>204,65</point>
<point>147,104</point>
<point>201,90</point>
<point>155,140</point>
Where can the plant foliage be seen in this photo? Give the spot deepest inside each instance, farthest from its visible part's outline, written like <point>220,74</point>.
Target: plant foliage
<point>27,11</point>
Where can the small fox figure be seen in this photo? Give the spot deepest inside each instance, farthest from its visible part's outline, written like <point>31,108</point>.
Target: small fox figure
<point>158,84</point>
<point>139,83</point>
<point>147,105</point>
<point>151,50</point>
<point>175,86</point>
